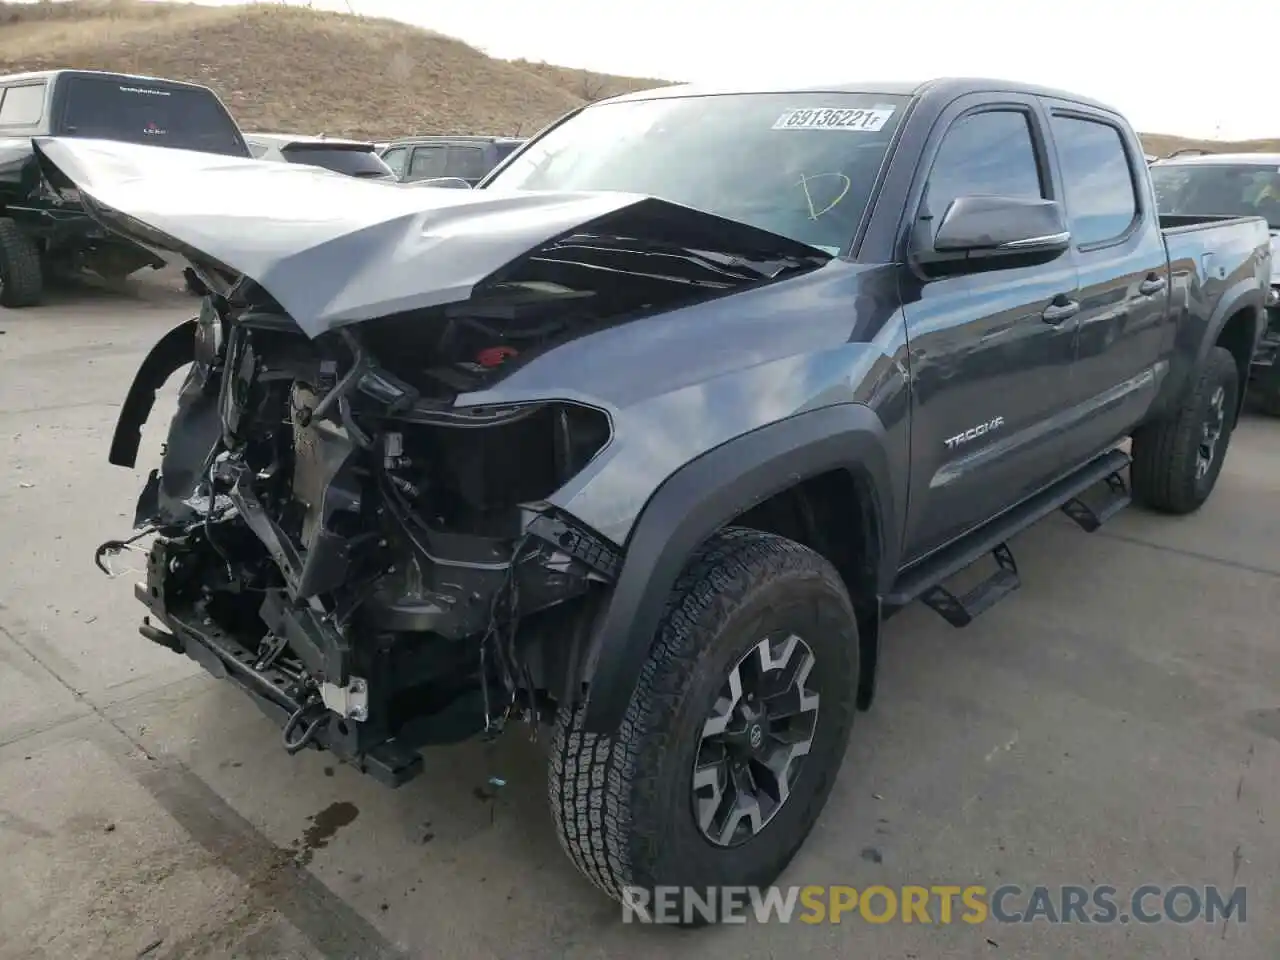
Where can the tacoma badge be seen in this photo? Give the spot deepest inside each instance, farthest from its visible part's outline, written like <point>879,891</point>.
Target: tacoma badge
<point>974,432</point>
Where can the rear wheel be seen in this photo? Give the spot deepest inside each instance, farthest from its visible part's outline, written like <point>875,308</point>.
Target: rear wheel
<point>733,737</point>
<point>1176,461</point>
<point>21,279</point>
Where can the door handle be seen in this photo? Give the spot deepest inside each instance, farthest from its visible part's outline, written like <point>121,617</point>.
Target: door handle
<point>1153,284</point>
<point>1059,310</point>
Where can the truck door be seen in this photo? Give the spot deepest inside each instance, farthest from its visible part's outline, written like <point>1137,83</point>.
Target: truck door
<point>1123,269</point>
<point>991,348</point>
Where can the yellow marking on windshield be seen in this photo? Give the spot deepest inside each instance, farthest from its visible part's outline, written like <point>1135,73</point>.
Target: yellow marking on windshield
<point>804,185</point>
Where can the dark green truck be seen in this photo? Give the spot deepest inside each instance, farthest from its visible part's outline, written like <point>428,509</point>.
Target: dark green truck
<point>42,232</point>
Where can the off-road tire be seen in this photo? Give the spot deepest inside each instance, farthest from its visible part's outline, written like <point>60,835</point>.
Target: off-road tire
<point>623,804</point>
<point>21,278</point>
<point>1163,474</point>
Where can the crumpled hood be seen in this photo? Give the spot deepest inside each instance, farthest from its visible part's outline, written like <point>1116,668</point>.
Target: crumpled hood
<point>333,249</point>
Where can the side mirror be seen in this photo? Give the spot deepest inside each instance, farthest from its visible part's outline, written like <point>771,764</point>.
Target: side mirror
<point>995,227</point>
<point>453,183</point>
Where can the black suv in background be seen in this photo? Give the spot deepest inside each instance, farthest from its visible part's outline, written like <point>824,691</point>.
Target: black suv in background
<point>42,231</point>
<point>432,158</point>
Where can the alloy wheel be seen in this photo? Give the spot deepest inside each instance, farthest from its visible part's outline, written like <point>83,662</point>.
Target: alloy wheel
<point>754,742</point>
<point>1211,432</point>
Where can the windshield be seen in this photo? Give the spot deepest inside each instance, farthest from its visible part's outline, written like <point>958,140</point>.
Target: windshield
<point>799,165</point>
<point>1238,190</point>
<point>140,112</point>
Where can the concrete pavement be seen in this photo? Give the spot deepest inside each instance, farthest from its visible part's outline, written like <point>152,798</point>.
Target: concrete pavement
<point>1115,722</point>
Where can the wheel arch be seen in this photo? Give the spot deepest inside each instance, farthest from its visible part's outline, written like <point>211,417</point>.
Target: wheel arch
<point>1238,333</point>
<point>826,454</point>
<point>1237,324</point>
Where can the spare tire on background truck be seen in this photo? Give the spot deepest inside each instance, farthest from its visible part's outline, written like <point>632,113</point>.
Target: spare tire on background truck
<point>21,279</point>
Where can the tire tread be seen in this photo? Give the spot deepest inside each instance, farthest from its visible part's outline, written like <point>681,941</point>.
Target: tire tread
<point>593,777</point>
<point>22,282</point>
<point>1164,452</point>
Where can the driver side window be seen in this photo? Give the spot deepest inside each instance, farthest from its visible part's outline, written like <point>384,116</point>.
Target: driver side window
<point>984,154</point>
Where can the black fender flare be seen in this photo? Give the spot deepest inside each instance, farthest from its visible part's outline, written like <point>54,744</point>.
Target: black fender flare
<point>1239,296</point>
<point>1197,336</point>
<point>699,498</point>
<point>171,352</point>
<point>1243,295</point>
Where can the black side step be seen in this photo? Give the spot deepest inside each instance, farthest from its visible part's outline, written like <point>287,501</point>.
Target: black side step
<point>1090,518</point>
<point>924,580</point>
<point>960,611</point>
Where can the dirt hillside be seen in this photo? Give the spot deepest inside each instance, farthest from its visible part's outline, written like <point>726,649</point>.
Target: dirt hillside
<point>292,69</point>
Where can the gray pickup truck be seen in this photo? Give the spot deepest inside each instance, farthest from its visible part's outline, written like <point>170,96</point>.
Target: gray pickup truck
<point>647,436</point>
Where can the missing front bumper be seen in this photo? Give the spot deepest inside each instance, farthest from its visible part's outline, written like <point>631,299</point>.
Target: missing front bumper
<point>291,704</point>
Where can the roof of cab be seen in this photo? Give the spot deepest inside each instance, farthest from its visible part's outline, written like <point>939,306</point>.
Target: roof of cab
<point>945,87</point>
<point>127,77</point>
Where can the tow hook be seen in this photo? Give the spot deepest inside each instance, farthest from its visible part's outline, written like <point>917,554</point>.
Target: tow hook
<point>163,637</point>
<point>308,717</point>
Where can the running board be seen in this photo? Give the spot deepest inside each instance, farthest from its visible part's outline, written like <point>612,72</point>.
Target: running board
<point>1090,518</point>
<point>924,581</point>
<point>961,611</point>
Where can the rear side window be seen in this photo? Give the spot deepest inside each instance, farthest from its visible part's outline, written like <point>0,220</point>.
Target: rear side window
<point>22,106</point>
<point>1100,197</point>
<point>137,112</point>
<point>466,162</point>
<point>984,154</point>
<point>427,162</point>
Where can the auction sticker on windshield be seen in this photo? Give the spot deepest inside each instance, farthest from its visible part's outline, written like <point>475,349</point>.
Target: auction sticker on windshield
<point>834,118</point>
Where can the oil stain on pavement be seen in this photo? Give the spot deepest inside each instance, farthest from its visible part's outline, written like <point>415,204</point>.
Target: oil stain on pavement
<point>324,826</point>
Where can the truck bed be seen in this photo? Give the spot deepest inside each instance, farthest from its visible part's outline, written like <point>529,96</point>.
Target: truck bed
<point>1220,246</point>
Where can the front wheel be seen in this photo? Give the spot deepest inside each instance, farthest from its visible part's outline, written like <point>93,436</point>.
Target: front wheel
<point>21,276</point>
<point>732,739</point>
<point>1176,461</point>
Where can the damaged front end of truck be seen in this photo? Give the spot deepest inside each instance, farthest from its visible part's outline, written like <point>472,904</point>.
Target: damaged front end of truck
<point>335,525</point>
<point>354,553</point>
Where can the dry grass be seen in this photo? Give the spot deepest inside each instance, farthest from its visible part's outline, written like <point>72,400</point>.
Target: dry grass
<point>1164,144</point>
<point>289,68</point>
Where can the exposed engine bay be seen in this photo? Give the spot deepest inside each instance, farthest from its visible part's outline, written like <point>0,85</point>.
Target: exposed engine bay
<point>373,562</point>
